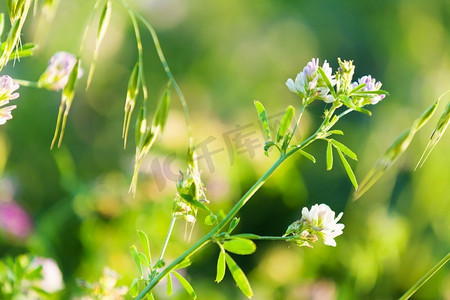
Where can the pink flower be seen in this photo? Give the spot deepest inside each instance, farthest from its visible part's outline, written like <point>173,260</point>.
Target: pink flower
<point>14,220</point>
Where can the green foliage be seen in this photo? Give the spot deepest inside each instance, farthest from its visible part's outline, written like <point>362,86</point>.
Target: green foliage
<point>240,246</point>
<point>19,279</point>
<point>239,276</point>
<point>186,285</point>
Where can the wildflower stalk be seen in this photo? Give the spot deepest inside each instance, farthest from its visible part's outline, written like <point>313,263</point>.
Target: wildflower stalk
<point>166,242</point>
<point>27,83</point>
<point>163,61</point>
<point>425,278</point>
<point>140,55</point>
<point>237,207</point>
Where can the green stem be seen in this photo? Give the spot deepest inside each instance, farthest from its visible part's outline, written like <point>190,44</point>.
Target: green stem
<point>166,242</point>
<point>27,83</point>
<point>86,28</point>
<point>140,55</point>
<point>276,238</point>
<point>425,278</point>
<point>238,206</point>
<point>165,66</point>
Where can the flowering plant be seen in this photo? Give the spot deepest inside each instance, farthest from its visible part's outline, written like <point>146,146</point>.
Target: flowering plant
<point>338,92</point>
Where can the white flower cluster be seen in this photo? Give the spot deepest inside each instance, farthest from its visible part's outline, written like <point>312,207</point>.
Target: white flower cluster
<point>309,83</point>
<point>370,85</point>
<point>320,221</point>
<point>7,88</point>
<point>58,70</point>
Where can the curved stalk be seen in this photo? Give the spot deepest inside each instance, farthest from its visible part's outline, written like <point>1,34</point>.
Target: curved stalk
<point>237,207</point>
<point>165,66</point>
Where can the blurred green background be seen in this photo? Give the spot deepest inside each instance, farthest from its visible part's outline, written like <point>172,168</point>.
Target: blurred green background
<point>225,54</point>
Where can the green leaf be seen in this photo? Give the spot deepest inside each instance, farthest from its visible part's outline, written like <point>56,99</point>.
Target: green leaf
<point>145,244</point>
<point>169,284</point>
<point>239,276</point>
<point>348,169</point>
<point>285,122</point>
<point>211,219</point>
<point>344,149</point>
<point>35,273</point>
<point>234,222</point>
<point>186,285</point>
<point>263,117</point>
<point>307,155</point>
<point>24,51</point>
<point>162,110</point>
<point>134,288</point>
<point>194,202</point>
<point>329,156</point>
<point>102,27</point>
<point>144,259</point>
<point>220,266</point>
<point>240,246</point>
<point>339,132</point>
<point>136,258</point>
<point>327,82</point>
<point>184,264</point>
<point>349,103</point>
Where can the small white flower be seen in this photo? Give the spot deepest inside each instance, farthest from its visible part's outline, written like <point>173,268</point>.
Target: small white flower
<point>52,280</point>
<point>310,84</point>
<point>323,220</point>
<point>58,70</point>
<point>7,88</point>
<point>370,85</point>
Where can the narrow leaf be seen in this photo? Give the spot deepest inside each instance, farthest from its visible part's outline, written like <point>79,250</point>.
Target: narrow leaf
<point>344,149</point>
<point>285,122</point>
<point>135,255</point>
<point>169,284</point>
<point>239,276</point>
<point>186,285</point>
<point>134,288</point>
<point>240,246</point>
<point>184,264</point>
<point>143,259</point>
<point>329,156</point>
<point>339,132</point>
<point>307,155</point>
<point>145,244</point>
<point>348,169</point>
<point>234,222</point>
<point>102,26</point>
<point>263,117</point>
<point>220,266</point>
<point>327,82</point>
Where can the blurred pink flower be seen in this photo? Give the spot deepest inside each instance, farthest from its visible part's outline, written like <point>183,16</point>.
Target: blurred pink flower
<point>14,220</point>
